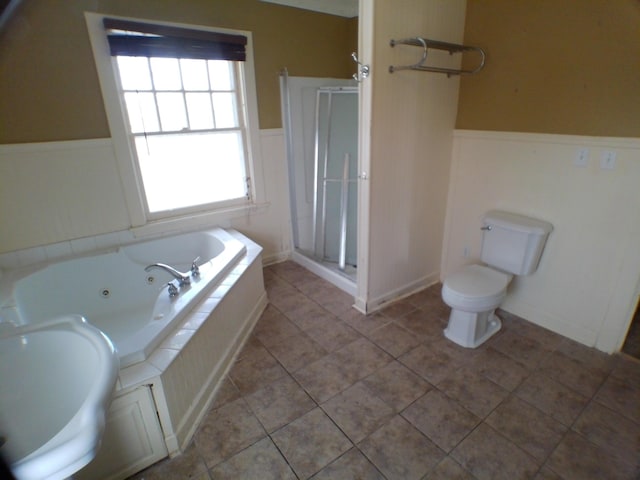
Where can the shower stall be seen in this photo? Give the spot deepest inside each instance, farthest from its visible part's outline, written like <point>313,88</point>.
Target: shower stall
<point>320,118</point>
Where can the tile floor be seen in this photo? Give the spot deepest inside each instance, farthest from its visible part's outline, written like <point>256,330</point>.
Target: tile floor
<point>632,342</point>
<point>323,392</point>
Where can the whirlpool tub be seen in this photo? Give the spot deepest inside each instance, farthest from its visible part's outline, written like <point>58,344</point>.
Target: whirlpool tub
<point>114,293</point>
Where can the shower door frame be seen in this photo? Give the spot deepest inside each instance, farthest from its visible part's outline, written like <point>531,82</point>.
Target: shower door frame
<point>316,179</point>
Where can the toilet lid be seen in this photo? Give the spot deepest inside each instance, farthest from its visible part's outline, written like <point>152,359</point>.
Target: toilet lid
<point>477,281</point>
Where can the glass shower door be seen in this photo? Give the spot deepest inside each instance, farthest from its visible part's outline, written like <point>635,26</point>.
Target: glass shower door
<point>335,176</point>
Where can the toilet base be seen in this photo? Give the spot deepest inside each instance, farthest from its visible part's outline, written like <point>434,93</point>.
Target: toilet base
<point>471,330</point>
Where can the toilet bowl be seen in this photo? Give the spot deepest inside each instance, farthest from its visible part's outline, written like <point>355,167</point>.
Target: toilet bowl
<point>473,294</point>
<point>511,245</point>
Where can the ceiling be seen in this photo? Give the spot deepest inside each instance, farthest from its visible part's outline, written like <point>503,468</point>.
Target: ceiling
<point>342,8</point>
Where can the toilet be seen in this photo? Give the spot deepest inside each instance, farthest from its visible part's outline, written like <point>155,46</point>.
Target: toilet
<point>511,245</point>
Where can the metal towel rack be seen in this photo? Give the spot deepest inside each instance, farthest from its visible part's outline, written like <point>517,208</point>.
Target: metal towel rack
<point>435,44</point>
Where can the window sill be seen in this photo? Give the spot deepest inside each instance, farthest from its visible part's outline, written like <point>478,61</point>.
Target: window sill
<point>221,217</point>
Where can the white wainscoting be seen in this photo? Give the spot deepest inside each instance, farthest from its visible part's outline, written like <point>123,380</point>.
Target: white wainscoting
<point>586,286</point>
<point>64,198</point>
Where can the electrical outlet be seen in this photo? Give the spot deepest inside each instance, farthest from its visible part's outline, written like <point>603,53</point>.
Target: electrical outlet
<point>608,160</point>
<point>582,157</point>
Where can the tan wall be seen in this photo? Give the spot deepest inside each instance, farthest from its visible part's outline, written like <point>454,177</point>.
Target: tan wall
<point>554,66</point>
<point>49,84</point>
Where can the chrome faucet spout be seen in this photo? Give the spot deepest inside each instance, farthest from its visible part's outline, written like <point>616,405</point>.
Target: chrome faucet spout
<point>183,278</point>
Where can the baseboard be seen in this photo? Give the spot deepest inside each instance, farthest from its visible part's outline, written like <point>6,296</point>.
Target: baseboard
<point>377,303</point>
<point>275,258</point>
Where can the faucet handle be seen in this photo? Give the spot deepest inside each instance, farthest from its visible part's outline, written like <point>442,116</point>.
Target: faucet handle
<point>195,270</point>
<point>173,290</point>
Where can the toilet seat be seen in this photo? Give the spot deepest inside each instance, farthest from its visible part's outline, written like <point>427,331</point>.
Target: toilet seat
<point>475,288</point>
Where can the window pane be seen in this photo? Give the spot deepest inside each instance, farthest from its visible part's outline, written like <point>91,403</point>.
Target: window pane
<point>172,114</point>
<point>208,167</point>
<point>221,74</point>
<point>134,73</point>
<point>224,108</point>
<point>200,113</point>
<point>194,74</point>
<point>141,108</point>
<point>166,73</point>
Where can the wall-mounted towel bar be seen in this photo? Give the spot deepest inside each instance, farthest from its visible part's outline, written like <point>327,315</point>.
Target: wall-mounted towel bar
<point>435,44</point>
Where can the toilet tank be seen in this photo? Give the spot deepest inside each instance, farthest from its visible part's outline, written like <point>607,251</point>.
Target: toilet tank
<point>513,243</point>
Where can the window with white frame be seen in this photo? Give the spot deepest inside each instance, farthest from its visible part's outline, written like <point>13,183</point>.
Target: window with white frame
<point>183,95</point>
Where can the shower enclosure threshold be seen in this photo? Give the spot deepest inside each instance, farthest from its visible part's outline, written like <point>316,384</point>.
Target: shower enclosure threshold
<point>345,281</point>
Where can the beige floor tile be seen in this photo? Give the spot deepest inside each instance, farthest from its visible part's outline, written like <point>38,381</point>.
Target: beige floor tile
<point>473,391</point>
<point>361,358</point>
<point>627,369</point>
<point>325,378</point>
<point>621,397</point>
<point>273,327</point>
<point>331,298</point>
<point>291,272</point>
<point>351,465</point>
<point>489,456</point>
<point>533,431</point>
<point>546,473</point>
<point>226,431</point>
<point>428,295</point>
<point>548,339</point>
<point>578,459</point>
<point>449,469</point>
<point>590,357</point>
<point>289,301</point>
<point>552,398</point>
<point>500,369</point>
<point>188,465</point>
<point>364,323</point>
<point>279,403</point>
<point>524,350</point>
<point>400,451</point>
<point>311,442</point>
<point>425,325</point>
<point>431,363</point>
<point>250,347</point>
<point>398,309</point>
<point>260,461</point>
<point>397,385</point>
<point>394,339</point>
<point>611,431</point>
<point>572,373</point>
<point>444,421</point>
<point>297,352</point>
<point>225,394</point>
<point>254,371</point>
<point>357,411</point>
<point>333,335</point>
<point>308,314</point>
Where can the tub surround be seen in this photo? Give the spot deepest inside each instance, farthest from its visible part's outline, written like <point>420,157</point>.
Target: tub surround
<point>159,401</point>
<point>179,379</point>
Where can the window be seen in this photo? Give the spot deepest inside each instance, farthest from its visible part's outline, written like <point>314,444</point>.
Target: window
<point>184,103</point>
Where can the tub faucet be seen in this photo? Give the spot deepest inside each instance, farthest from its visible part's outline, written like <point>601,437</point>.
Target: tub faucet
<point>183,278</point>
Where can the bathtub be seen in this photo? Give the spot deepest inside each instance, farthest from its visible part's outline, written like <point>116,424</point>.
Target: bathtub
<point>174,353</point>
<point>114,293</point>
